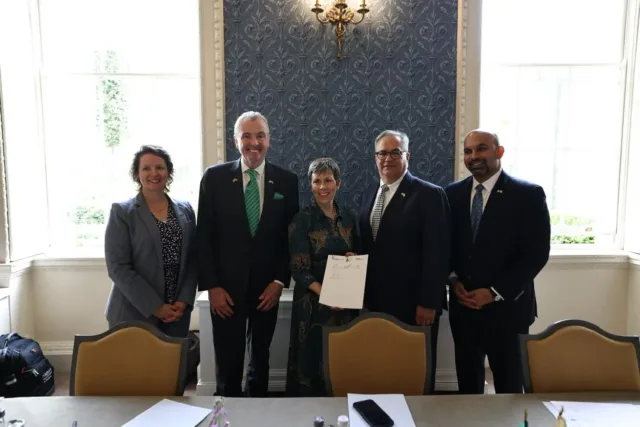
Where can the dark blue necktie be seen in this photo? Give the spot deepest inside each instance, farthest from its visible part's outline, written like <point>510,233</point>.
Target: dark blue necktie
<point>476,209</point>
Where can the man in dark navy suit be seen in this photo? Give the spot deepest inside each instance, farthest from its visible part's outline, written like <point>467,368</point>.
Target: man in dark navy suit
<point>404,223</point>
<point>501,237</point>
<point>244,211</point>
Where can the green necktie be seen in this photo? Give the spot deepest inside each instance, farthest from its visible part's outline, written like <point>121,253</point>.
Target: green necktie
<point>252,201</point>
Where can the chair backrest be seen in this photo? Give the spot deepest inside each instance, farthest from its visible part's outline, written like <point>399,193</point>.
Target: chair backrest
<point>130,359</point>
<point>376,353</point>
<point>578,356</point>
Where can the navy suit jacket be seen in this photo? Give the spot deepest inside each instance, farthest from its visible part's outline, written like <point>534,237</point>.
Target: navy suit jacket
<point>228,256</point>
<point>409,262</point>
<point>512,245</point>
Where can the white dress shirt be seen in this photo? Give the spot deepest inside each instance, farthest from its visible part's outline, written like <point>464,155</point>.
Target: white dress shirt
<point>260,175</point>
<point>393,187</point>
<point>486,193</point>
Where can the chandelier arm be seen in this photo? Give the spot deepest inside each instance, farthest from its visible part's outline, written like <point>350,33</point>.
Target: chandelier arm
<point>362,16</point>
<point>326,21</point>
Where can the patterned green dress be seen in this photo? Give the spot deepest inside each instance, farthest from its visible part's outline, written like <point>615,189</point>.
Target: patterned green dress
<point>312,238</point>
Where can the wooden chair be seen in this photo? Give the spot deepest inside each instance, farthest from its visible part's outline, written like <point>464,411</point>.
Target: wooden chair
<point>578,356</point>
<point>376,353</point>
<point>130,359</point>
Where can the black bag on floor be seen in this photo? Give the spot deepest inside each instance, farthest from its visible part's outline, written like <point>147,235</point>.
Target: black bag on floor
<point>24,371</point>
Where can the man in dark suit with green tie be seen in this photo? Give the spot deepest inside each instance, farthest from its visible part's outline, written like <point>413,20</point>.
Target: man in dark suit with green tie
<point>244,211</point>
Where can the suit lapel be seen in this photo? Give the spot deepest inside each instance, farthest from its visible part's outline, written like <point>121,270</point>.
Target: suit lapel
<point>494,204</point>
<point>236,196</point>
<point>149,221</point>
<point>395,204</point>
<point>466,203</point>
<point>269,192</point>
<point>367,203</point>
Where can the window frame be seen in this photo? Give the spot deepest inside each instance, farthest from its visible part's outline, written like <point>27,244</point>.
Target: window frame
<point>468,107</point>
<point>210,78</point>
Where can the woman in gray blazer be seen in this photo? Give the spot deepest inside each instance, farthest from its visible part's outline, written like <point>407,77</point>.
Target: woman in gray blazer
<point>149,249</point>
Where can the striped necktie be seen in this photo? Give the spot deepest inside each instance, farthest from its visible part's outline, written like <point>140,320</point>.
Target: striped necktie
<point>377,211</point>
<point>252,201</point>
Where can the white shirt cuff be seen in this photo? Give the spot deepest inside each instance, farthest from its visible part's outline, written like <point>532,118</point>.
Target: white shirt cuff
<point>278,281</point>
<point>498,296</point>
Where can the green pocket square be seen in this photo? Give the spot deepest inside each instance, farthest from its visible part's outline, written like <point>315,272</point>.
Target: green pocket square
<point>278,196</point>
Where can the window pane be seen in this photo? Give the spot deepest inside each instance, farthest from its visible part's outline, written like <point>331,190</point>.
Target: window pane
<point>148,36</point>
<point>552,31</point>
<point>561,128</point>
<point>93,126</point>
<point>24,159</point>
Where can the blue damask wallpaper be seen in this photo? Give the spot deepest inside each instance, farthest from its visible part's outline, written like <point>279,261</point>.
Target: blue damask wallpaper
<point>399,72</point>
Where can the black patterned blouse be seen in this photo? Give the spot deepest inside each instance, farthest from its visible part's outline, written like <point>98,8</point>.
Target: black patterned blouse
<point>171,237</point>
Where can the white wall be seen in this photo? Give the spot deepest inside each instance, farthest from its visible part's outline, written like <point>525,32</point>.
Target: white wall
<point>16,303</point>
<point>60,298</point>
<point>633,307</point>
<point>592,288</point>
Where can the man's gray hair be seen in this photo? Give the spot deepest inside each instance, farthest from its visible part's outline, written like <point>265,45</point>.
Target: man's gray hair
<point>324,165</point>
<point>404,139</point>
<point>250,116</point>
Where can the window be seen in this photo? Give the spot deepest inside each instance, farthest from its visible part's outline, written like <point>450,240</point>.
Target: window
<point>113,75</point>
<point>553,88</point>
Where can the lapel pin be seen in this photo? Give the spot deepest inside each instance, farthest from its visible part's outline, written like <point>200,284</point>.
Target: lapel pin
<point>403,195</point>
<point>270,182</point>
<point>499,191</point>
<point>235,179</point>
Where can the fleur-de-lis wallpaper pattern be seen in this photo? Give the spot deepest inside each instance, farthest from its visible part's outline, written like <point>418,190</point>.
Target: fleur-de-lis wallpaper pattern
<point>399,72</point>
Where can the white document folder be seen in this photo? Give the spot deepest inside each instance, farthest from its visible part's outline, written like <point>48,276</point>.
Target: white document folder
<point>344,279</point>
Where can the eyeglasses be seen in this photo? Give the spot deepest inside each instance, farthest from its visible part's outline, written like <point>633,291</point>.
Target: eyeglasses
<point>395,154</point>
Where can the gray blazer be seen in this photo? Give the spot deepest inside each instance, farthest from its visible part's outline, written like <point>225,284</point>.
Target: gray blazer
<point>133,251</point>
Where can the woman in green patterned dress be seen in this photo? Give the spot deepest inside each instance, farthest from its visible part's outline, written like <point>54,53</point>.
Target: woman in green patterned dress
<point>319,230</point>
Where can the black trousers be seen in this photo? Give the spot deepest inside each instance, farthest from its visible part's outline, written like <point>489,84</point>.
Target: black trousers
<point>474,340</point>
<point>248,325</point>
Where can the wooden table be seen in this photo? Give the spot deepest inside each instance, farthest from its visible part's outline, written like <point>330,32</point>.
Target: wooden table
<point>442,410</point>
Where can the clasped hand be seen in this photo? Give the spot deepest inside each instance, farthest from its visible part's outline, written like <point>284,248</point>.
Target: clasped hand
<point>170,312</point>
<point>475,299</point>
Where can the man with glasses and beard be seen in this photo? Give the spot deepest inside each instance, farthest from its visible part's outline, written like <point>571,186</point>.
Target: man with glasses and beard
<point>500,241</point>
<point>244,212</point>
<point>404,223</point>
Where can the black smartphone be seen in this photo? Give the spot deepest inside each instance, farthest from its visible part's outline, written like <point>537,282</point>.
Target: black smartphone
<point>373,414</point>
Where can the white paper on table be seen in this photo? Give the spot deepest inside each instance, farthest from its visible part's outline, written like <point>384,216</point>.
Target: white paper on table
<point>170,414</point>
<point>395,405</point>
<point>343,284</point>
<point>592,414</point>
